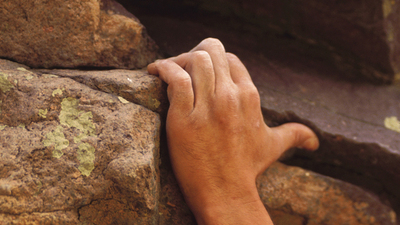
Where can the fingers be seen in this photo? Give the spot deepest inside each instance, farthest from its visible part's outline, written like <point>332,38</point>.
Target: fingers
<point>294,135</point>
<point>180,91</point>
<point>200,68</point>
<point>216,50</point>
<point>239,73</point>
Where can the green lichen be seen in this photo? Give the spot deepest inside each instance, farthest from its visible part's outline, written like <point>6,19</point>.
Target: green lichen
<point>86,158</point>
<point>23,69</point>
<point>387,7</point>
<point>2,127</point>
<point>58,139</point>
<point>5,84</point>
<point>28,77</point>
<point>42,113</point>
<point>50,76</point>
<point>57,91</point>
<point>39,187</point>
<point>154,102</point>
<point>392,123</point>
<point>71,116</point>
<point>123,100</point>
<point>21,126</point>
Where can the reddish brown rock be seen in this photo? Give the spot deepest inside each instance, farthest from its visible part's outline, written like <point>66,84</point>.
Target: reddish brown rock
<point>319,199</point>
<point>71,154</point>
<point>65,34</point>
<point>135,86</point>
<point>361,38</point>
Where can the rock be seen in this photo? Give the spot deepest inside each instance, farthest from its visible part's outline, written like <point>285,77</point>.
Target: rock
<point>361,38</point>
<point>70,34</point>
<point>318,199</point>
<point>135,86</point>
<point>71,154</point>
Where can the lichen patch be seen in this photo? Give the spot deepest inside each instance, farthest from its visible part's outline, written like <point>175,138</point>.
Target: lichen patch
<point>123,100</point>
<point>5,84</point>
<point>57,138</point>
<point>392,123</point>
<point>71,116</point>
<point>42,113</point>
<point>86,158</point>
<point>58,91</point>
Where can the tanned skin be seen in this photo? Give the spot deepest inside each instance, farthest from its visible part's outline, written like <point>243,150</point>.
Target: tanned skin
<point>217,139</point>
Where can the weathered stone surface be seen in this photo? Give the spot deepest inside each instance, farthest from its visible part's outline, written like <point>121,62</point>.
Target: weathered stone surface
<point>359,37</point>
<point>65,34</point>
<point>349,118</point>
<point>318,199</point>
<point>70,154</point>
<point>135,86</point>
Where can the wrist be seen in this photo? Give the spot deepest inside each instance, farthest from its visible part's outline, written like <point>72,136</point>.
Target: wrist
<point>232,205</point>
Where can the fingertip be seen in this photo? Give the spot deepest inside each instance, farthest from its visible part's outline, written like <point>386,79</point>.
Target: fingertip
<point>310,144</point>
<point>152,68</point>
<point>296,135</point>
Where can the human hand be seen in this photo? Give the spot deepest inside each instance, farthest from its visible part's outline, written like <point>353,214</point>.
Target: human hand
<point>218,141</point>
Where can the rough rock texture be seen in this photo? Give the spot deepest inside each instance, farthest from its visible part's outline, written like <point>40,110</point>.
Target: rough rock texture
<point>87,33</point>
<point>70,154</point>
<point>359,37</point>
<point>315,199</point>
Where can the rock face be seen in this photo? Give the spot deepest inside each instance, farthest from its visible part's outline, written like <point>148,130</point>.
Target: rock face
<point>359,37</point>
<point>314,199</point>
<point>66,34</point>
<point>71,154</point>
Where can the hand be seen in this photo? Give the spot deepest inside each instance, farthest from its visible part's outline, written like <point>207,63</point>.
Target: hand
<point>218,142</point>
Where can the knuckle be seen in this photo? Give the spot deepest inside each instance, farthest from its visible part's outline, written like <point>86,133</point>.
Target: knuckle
<point>251,97</point>
<point>183,82</point>
<point>200,56</point>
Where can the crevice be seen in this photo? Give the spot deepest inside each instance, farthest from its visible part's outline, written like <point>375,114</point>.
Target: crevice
<point>320,105</point>
<point>346,160</point>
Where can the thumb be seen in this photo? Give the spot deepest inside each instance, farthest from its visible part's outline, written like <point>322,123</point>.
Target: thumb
<point>295,135</point>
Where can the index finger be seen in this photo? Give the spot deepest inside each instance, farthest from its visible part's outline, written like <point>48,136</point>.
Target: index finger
<point>180,90</point>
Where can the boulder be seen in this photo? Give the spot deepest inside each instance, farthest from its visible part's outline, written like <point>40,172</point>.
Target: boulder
<point>70,34</point>
<point>361,38</point>
<point>310,198</point>
<point>71,154</point>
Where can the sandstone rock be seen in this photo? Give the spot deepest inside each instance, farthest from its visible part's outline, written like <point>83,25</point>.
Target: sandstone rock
<point>318,199</point>
<point>65,34</point>
<point>359,37</point>
<point>70,154</point>
<point>135,86</point>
